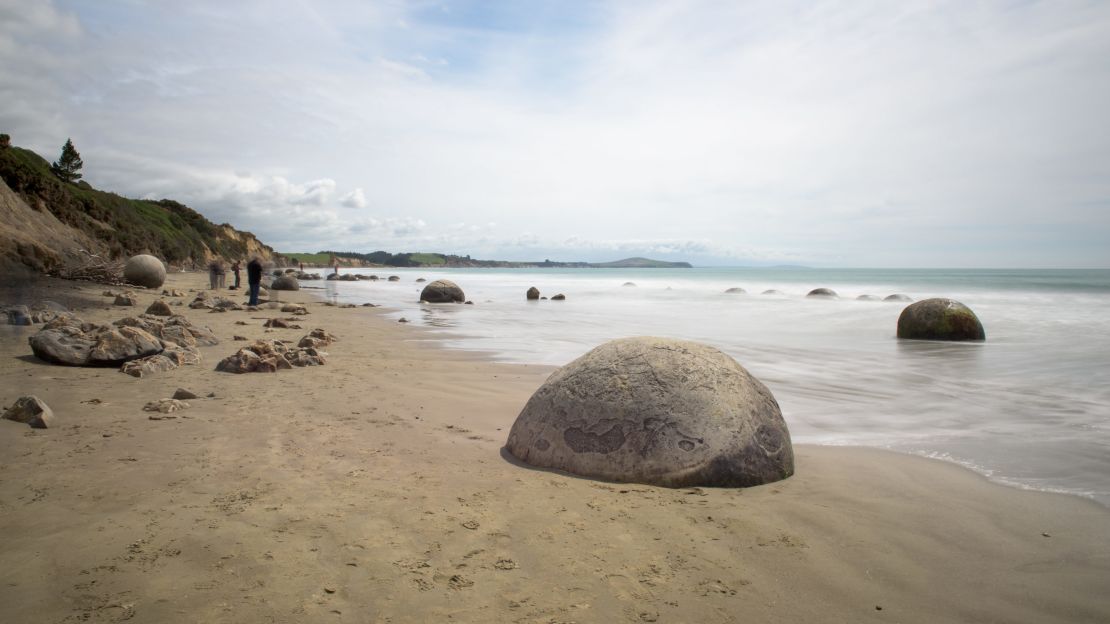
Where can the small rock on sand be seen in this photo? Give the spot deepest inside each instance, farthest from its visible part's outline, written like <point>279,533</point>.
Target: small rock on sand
<point>30,410</point>
<point>182,394</point>
<point>165,406</point>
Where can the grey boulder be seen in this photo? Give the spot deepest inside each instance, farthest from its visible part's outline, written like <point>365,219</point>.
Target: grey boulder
<point>159,308</point>
<point>822,293</point>
<point>285,282</point>
<point>442,291</point>
<point>939,319</point>
<point>656,411</point>
<point>145,270</point>
<point>532,294</point>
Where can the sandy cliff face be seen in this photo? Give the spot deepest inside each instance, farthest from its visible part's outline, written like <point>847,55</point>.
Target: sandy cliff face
<point>34,237</point>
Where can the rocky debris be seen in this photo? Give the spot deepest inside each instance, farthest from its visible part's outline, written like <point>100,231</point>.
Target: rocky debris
<point>72,342</point>
<point>369,305</point>
<point>19,315</point>
<point>173,330</point>
<point>402,320</point>
<point>240,322</point>
<point>664,412</point>
<point>182,394</point>
<point>469,303</point>
<point>939,319</point>
<point>145,270</point>
<point>285,282</point>
<point>165,406</point>
<point>317,338</point>
<point>200,301</point>
<point>301,275</point>
<point>159,308</point>
<point>558,297</point>
<point>238,338</point>
<point>280,324</point>
<point>532,294</point>
<point>223,305</point>
<point>735,291</point>
<point>443,291</point>
<point>269,356</point>
<point>30,410</point>
<point>108,293</point>
<point>126,299</point>
<point>173,356</point>
<point>292,308</point>
<point>898,297</point>
<point>172,293</point>
<point>822,293</point>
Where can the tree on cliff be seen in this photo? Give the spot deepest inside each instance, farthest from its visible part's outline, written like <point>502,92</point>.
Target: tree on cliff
<point>68,164</point>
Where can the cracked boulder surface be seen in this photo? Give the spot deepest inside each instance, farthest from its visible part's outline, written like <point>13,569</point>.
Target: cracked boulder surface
<point>656,411</point>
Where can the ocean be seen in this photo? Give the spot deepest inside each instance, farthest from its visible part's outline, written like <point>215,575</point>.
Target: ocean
<point>1029,407</point>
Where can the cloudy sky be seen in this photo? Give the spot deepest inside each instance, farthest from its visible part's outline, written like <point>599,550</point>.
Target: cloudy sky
<point>868,133</point>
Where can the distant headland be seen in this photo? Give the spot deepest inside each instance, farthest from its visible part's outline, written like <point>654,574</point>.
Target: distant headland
<point>432,260</point>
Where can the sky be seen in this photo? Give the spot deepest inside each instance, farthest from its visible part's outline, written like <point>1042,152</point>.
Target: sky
<point>937,133</point>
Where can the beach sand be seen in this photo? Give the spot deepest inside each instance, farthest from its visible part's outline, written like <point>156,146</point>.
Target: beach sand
<point>374,489</point>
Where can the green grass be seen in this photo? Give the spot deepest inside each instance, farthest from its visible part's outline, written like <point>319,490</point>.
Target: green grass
<point>322,259</point>
<point>427,259</point>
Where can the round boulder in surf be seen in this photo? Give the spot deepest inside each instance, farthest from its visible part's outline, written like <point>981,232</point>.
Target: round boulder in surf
<point>658,411</point>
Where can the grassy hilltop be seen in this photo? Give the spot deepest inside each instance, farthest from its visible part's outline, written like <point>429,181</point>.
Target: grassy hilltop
<point>104,223</point>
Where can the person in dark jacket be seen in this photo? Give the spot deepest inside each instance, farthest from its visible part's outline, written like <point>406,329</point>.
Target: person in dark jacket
<point>254,279</point>
<point>235,270</point>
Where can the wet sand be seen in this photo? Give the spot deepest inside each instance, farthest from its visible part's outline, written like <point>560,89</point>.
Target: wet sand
<point>374,489</point>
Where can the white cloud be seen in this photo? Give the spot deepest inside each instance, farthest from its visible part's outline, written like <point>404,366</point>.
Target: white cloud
<point>354,199</point>
<point>914,133</point>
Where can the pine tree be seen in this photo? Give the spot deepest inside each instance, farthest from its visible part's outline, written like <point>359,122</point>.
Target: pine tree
<point>68,164</point>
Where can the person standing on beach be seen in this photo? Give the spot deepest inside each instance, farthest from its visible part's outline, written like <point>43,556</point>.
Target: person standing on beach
<point>214,271</point>
<point>235,270</point>
<point>254,279</point>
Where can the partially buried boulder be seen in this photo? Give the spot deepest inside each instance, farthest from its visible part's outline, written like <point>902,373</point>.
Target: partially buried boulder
<point>532,294</point>
<point>30,410</point>
<point>126,299</point>
<point>285,282</point>
<point>897,297</point>
<point>558,297</point>
<point>735,291</point>
<point>442,291</point>
<point>822,293</point>
<point>657,411</point>
<point>145,270</point>
<point>939,319</point>
<point>159,308</point>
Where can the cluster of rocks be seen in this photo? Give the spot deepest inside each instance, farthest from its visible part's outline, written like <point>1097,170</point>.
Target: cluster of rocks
<point>41,312</point>
<point>138,345</point>
<point>207,301</point>
<point>270,356</point>
<point>533,294</point>
<point>351,277</point>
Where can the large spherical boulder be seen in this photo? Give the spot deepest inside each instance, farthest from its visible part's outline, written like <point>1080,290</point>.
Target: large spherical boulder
<point>285,282</point>
<point>939,319</point>
<point>533,294</point>
<point>442,291</point>
<point>145,270</point>
<point>822,293</point>
<point>657,411</point>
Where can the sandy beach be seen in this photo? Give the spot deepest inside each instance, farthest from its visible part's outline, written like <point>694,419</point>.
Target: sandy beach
<point>374,489</point>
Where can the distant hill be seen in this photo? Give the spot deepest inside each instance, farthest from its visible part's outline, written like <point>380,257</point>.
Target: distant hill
<point>386,259</point>
<point>46,221</point>
<point>641,263</point>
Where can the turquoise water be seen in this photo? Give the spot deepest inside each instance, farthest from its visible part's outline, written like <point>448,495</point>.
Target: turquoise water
<point>1030,407</point>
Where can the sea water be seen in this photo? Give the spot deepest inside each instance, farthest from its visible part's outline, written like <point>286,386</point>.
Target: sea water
<point>1029,407</point>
